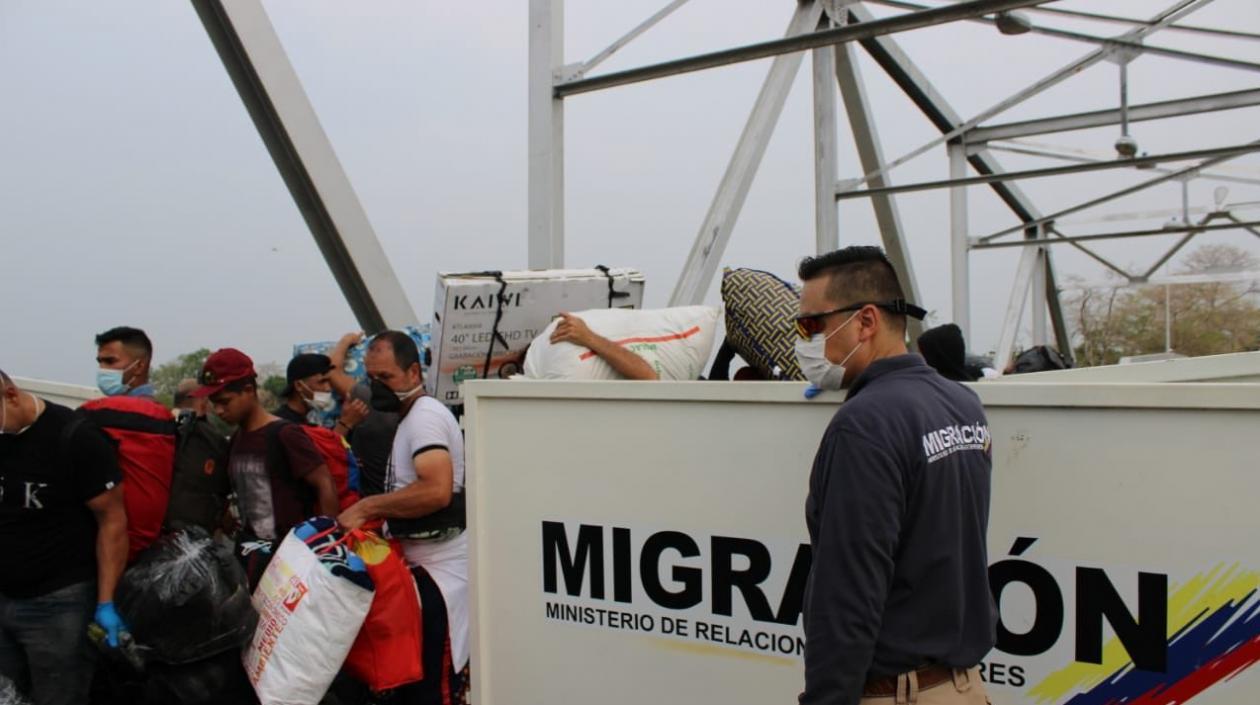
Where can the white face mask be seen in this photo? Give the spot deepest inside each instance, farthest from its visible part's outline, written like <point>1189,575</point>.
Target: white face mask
<point>811,355</point>
<point>404,396</point>
<point>319,401</point>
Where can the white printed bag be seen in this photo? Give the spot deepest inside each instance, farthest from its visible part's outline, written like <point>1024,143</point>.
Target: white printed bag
<point>311,603</point>
<point>676,342</point>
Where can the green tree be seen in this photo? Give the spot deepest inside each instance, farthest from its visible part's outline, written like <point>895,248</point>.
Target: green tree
<point>271,383</point>
<point>1207,319</point>
<point>166,378</point>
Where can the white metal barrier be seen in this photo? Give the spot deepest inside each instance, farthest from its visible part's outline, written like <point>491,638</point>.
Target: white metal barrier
<point>71,395</point>
<point>1235,367</point>
<point>641,542</point>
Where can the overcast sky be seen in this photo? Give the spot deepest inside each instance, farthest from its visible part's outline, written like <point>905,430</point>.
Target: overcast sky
<point>134,189</point>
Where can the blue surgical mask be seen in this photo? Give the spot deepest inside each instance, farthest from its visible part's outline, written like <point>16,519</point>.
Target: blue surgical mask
<point>110,382</point>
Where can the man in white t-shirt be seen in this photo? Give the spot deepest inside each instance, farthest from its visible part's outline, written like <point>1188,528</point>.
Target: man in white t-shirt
<point>423,505</point>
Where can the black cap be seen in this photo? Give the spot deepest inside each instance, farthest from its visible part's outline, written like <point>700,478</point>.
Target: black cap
<point>304,366</point>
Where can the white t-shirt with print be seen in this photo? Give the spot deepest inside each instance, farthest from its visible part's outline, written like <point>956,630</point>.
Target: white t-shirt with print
<point>429,424</point>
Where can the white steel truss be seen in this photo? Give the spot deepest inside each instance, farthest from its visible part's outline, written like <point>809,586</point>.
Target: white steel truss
<point>832,30</point>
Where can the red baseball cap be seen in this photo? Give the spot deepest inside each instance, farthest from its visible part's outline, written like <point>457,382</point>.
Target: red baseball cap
<point>223,367</point>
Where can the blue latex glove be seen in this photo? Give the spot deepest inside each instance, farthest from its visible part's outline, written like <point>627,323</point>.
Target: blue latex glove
<point>108,619</point>
<point>811,391</point>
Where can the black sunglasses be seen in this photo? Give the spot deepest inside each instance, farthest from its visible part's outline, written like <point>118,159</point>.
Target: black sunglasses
<point>811,324</point>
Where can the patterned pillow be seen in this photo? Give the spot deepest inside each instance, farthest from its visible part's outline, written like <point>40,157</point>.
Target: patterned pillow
<point>760,321</point>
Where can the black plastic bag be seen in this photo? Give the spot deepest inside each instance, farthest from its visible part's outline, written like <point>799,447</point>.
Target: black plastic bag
<point>9,694</point>
<point>1041,358</point>
<point>186,599</point>
<point>218,680</point>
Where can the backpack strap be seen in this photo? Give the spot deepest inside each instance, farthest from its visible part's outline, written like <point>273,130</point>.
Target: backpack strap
<point>276,457</point>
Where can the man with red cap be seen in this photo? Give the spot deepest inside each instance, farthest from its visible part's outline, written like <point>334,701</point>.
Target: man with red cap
<point>279,476</point>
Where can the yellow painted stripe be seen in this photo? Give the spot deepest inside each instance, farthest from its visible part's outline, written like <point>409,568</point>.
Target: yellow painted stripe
<point>1202,593</point>
<point>693,647</point>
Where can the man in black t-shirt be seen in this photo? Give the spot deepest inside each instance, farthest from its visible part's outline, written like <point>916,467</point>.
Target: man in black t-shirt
<point>370,431</point>
<point>63,530</point>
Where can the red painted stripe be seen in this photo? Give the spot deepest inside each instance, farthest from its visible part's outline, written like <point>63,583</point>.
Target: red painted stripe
<point>660,339</point>
<point>1222,668</point>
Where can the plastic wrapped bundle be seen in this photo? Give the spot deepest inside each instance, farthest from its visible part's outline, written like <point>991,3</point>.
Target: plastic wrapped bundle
<point>9,694</point>
<point>186,599</point>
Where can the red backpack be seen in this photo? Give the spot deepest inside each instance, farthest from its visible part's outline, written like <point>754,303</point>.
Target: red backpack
<point>337,455</point>
<point>144,434</point>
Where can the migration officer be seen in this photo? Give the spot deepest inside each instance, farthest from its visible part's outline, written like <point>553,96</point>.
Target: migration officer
<point>897,607</point>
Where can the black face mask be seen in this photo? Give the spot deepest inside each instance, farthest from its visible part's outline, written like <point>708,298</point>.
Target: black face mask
<point>383,398</point>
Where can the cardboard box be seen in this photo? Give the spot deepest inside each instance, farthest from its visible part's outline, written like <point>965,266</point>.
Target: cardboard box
<point>466,306</point>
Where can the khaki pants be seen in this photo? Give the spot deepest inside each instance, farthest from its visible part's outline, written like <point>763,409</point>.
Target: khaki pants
<point>966,688</point>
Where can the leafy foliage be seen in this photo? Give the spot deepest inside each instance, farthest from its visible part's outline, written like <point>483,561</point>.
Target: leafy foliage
<point>1207,319</point>
<point>166,378</point>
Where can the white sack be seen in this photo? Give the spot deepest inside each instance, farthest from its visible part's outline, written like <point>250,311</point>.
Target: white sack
<point>676,342</point>
<point>308,619</point>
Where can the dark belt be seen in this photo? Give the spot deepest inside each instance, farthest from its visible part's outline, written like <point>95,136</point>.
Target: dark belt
<point>886,686</point>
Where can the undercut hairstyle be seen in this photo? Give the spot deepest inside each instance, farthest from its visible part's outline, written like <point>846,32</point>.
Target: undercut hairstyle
<point>131,338</point>
<point>406,353</point>
<point>858,273</point>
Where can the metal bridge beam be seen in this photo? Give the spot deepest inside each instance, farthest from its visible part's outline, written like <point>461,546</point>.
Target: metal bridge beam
<point>718,224</point>
<point>826,212</point>
<point>889,55</point>
<point>251,52</point>
<point>1102,118</point>
<point>870,154</point>
<point>546,135</point>
<point>804,42</point>
<point>1124,163</point>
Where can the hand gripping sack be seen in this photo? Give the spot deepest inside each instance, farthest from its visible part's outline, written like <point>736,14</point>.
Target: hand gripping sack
<point>676,342</point>
<point>189,580</point>
<point>387,653</point>
<point>761,314</point>
<point>311,603</point>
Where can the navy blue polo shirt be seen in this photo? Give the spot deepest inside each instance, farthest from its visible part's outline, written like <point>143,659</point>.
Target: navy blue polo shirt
<point>898,511</point>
